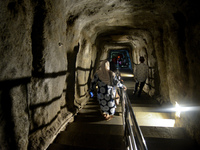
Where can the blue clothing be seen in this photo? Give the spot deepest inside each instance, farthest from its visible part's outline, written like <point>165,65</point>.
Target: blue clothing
<point>106,94</point>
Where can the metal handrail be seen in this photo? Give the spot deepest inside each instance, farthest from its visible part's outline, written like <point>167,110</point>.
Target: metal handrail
<point>133,136</point>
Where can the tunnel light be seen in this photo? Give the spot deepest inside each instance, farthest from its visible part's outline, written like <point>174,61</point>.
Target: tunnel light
<point>178,110</point>
<point>161,116</point>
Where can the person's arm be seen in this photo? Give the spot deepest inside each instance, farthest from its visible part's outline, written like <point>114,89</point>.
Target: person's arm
<point>118,83</point>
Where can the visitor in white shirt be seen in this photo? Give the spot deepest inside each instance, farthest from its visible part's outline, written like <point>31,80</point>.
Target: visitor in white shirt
<point>140,75</point>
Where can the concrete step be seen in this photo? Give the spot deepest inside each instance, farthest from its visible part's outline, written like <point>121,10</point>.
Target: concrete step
<point>157,119</point>
<point>171,144</point>
<point>168,138</point>
<point>117,119</point>
<point>164,132</point>
<point>91,131</point>
<point>104,129</point>
<point>56,146</point>
<point>91,114</point>
<point>92,141</point>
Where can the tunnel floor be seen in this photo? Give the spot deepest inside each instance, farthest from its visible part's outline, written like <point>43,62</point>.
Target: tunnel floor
<point>90,131</point>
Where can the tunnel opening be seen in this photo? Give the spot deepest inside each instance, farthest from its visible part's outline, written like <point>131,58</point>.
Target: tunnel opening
<point>120,58</point>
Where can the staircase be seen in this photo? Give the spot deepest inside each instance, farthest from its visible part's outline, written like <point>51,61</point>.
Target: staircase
<point>90,131</point>
<point>157,123</point>
<point>158,128</point>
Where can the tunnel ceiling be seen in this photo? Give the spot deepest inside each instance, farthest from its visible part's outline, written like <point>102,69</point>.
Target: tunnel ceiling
<point>119,21</point>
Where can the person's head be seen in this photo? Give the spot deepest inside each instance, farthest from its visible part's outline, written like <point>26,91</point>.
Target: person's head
<point>105,65</point>
<point>141,59</point>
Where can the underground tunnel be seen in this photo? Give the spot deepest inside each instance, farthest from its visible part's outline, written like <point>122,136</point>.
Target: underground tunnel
<point>50,50</point>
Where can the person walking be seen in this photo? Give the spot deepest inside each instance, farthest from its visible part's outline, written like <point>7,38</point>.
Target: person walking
<point>106,81</point>
<point>140,74</point>
<point>118,75</point>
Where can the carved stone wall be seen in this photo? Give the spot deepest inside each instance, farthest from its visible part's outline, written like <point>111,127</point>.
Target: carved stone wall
<point>49,51</point>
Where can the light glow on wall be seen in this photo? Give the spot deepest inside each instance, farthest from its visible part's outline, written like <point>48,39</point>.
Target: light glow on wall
<point>178,110</point>
<point>126,75</point>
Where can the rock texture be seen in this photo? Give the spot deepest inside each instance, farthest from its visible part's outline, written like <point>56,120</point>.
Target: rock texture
<point>50,49</point>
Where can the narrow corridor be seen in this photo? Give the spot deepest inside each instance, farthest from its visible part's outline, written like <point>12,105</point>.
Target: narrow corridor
<point>51,49</point>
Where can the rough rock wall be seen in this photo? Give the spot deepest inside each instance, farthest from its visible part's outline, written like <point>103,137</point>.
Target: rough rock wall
<point>177,54</point>
<point>16,19</point>
<point>48,107</point>
<point>84,66</point>
<point>186,70</point>
<point>33,73</point>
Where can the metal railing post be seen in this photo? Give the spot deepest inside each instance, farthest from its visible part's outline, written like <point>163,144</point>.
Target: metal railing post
<point>132,133</point>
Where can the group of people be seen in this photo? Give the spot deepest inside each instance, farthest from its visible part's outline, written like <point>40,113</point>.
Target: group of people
<point>108,81</point>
